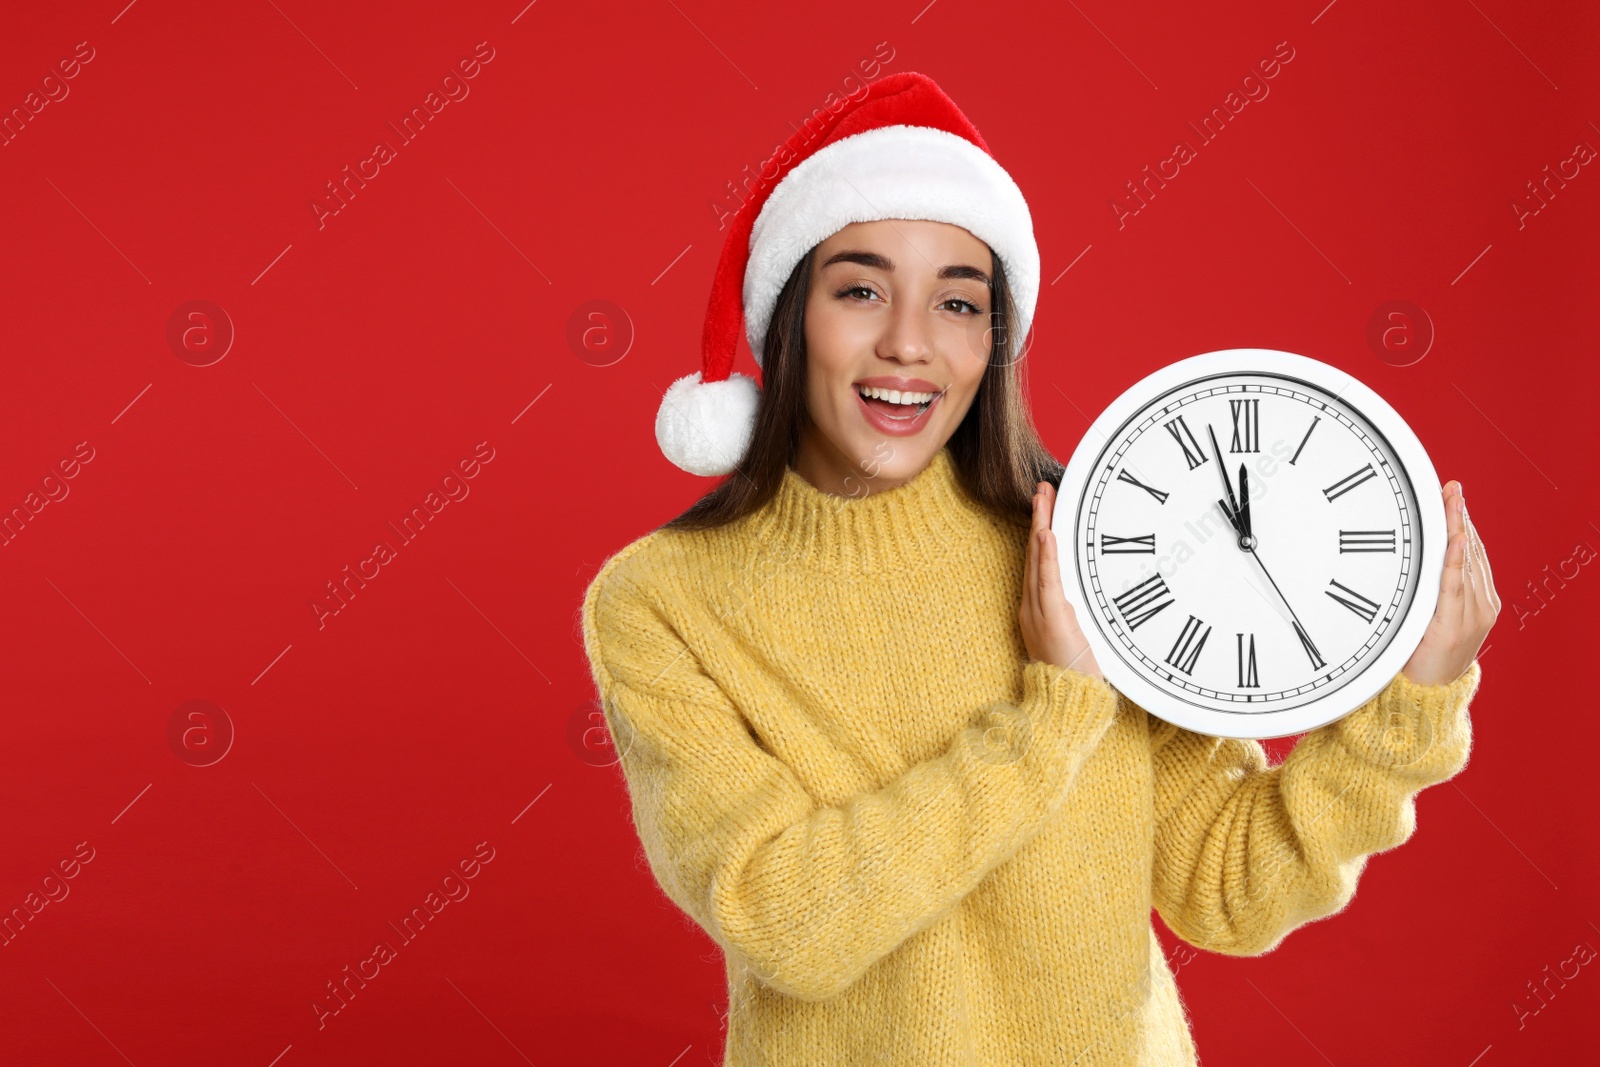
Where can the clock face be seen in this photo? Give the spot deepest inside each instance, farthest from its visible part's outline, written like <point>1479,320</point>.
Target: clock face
<point>1249,543</point>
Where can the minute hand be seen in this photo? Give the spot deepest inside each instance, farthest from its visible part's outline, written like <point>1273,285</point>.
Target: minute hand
<point>1299,629</point>
<point>1231,507</point>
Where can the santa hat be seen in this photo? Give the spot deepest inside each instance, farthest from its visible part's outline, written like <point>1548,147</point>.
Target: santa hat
<point>901,150</point>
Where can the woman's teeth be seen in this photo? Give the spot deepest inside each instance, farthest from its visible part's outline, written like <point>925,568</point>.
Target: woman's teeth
<point>895,405</point>
<point>894,396</point>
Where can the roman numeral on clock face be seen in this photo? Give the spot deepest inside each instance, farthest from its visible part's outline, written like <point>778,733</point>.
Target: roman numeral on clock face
<point>1349,482</point>
<point>1366,540</point>
<point>1180,430</point>
<point>1367,609</point>
<point>1143,600</point>
<point>1247,662</point>
<point>1246,425</point>
<point>1186,649</point>
<point>1311,649</point>
<point>1143,543</point>
<point>1124,476</point>
<point>1304,439</point>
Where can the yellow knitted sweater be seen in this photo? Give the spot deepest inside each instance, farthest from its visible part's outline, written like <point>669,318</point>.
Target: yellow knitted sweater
<point>917,846</point>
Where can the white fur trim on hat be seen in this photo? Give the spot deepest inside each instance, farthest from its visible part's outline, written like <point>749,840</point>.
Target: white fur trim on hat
<point>705,427</point>
<point>891,172</point>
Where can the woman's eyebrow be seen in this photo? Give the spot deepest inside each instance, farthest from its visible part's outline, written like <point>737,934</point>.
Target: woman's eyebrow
<point>866,259</point>
<point>964,271</point>
<point>884,263</point>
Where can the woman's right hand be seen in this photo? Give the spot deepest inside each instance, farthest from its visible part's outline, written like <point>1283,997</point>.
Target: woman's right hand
<point>1049,625</point>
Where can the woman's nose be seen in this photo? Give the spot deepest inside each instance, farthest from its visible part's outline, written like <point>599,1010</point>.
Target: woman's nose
<point>906,335</point>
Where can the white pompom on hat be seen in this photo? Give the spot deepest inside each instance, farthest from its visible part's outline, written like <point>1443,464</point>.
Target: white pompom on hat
<point>899,150</point>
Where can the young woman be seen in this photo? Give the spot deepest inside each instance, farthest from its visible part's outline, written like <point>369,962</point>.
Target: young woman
<point>867,747</point>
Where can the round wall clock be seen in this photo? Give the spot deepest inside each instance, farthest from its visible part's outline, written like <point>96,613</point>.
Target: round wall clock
<point>1257,540</point>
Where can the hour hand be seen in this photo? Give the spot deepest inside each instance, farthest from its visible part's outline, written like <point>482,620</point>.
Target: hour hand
<point>1243,524</point>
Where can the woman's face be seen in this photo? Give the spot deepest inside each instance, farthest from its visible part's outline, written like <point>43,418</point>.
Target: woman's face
<point>898,305</point>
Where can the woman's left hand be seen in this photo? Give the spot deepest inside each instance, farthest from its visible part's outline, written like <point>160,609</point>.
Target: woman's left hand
<point>1468,604</point>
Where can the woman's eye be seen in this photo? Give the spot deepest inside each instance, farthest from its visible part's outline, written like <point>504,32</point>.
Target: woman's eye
<point>854,289</point>
<point>972,308</point>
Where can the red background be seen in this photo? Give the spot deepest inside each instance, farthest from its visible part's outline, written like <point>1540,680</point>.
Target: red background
<point>372,353</point>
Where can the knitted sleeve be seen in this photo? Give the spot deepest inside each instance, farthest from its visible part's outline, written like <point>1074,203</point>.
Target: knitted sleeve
<point>810,895</point>
<point>1245,853</point>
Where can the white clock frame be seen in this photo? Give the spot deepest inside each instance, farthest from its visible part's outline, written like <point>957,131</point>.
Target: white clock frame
<point>1415,466</point>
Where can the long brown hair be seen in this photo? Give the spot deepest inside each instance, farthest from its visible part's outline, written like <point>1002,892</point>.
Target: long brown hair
<point>998,456</point>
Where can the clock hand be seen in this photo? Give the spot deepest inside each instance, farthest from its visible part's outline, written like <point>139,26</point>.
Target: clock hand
<point>1233,520</point>
<point>1299,628</point>
<point>1231,508</point>
<point>1244,507</point>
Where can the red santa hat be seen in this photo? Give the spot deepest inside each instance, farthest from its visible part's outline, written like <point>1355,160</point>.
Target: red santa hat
<point>901,150</point>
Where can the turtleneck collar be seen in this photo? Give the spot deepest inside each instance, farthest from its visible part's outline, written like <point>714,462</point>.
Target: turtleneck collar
<point>914,522</point>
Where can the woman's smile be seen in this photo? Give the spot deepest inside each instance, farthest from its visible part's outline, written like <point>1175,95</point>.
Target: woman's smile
<point>897,406</point>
